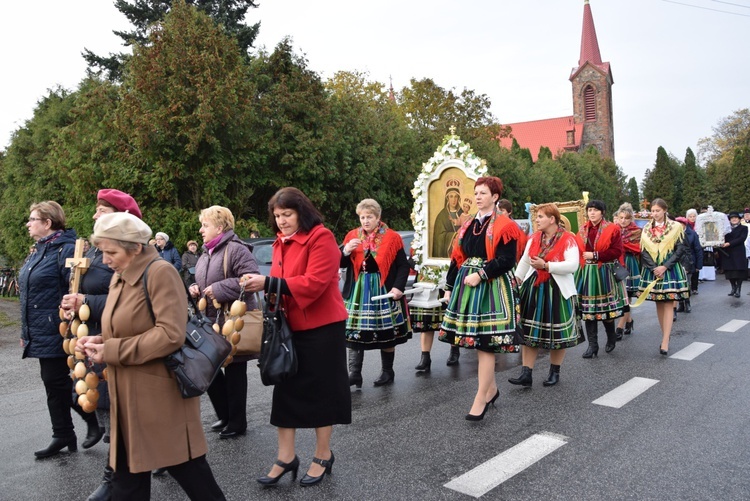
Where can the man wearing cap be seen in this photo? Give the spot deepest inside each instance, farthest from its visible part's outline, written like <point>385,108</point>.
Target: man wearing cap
<point>152,425</point>
<point>93,291</point>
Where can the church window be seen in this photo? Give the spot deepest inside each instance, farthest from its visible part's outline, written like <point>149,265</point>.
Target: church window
<point>589,103</point>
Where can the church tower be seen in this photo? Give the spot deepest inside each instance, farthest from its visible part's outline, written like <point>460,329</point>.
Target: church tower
<point>592,92</point>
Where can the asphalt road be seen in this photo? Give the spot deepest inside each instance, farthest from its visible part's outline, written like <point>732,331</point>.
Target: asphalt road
<point>684,438</point>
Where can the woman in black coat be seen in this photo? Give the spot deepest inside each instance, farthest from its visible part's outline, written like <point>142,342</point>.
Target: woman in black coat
<point>734,260</point>
<point>43,281</point>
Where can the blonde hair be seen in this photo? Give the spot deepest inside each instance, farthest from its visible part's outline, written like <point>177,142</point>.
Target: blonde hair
<point>218,216</point>
<point>368,204</point>
<point>52,211</point>
<point>627,209</point>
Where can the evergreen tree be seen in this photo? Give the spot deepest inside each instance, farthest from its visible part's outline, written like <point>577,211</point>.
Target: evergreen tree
<point>633,195</point>
<point>694,189</point>
<point>145,13</point>
<point>660,182</point>
<point>740,181</point>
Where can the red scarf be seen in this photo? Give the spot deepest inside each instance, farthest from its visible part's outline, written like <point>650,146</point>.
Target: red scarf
<point>555,252</point>
<point>631,240</point>
<point>383,244</point>
<point>501,229</point>
<point>603,238</point>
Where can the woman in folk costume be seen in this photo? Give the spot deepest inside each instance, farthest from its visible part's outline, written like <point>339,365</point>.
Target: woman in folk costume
<point>376,254</point>
<point>601,296</point>
<point>482,308</point>
<point>663,279</point>
<point>547,294</point>
<point>631,259</point>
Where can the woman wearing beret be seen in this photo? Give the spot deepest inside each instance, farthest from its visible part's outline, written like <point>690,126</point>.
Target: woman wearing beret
<point>43,281</point>
<point>602,297</point>
<point>93,292</point>
<point>151,424</point>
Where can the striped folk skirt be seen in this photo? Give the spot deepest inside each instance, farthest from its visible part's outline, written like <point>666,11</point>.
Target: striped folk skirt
<point>601,297</point>
<point>374,325</point>
<point>547,318</point>
<point>482,317</point>
<point>426,319</point>
<point>673,286</point>
<point>632,283</point>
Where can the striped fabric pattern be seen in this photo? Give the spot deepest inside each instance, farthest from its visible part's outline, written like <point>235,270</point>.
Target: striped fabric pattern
<point>601,296</point>
<point>425,319</point>
<point>482,317</point>
<point>548,319</point>
<point>633,264</point>
<point>672,287</point>
<point>374,324</point>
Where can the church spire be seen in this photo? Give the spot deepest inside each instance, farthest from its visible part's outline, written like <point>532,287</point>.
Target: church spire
<point>589,43</point>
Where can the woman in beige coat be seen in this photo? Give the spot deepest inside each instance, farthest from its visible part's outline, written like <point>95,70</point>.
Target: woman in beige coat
<point>151,424</point>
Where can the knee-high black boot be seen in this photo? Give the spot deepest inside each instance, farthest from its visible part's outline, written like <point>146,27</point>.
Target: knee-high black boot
<point>609,328</point>
<point>734,287</point>
<point>386,374</point>
<point>356,357</point>
<point>591,334</point>
<point>739,288</point>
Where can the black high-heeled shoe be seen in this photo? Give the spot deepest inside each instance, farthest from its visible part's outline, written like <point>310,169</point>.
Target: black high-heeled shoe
<point>292,466</point>
<point>474,417</point>
<point>492,402</point>
<point>56,446</point>
<point>591,352</point>
<point>663,352</point>
<point>307,480</point>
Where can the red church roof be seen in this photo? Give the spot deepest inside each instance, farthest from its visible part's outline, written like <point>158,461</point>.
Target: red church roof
<point>550,132</point>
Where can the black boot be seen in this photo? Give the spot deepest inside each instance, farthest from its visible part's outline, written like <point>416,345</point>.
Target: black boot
<point>104,491</point>
<point>674,314</point>
<point>734,288</point>
<point>453,357</point>
<point>524,379</point>
<point>618,334</point>
<point>609,328</point>
<point>57,445</point>
<point>591,334</point>
<point>424,363</point>
<point>680,306</point>
<point>553,377</point>
<point>356,357</point>
<point>628,327</point>
<point>94,433</point>
<point>688,308</point>
<point>739,289</point>
<point>386,374</point>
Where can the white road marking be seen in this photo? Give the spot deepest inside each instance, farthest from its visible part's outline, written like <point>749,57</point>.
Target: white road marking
<point>733,326</point>
<point>625,392</point>
<point>691,351</point>
<point>497,470</point>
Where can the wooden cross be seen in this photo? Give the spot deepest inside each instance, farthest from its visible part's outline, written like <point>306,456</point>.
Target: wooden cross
<point>79,264</point>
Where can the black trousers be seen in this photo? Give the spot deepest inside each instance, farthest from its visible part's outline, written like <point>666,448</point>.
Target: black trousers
<point>194,476</point>
<point>228,394</point>
<point>694,281</point>
<point>59,387</point>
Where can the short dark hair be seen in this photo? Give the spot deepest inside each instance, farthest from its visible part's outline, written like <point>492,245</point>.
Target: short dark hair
<point>493,183</point>
<point>505,204</point>
<point>597,204</point>
<point>292,198</point>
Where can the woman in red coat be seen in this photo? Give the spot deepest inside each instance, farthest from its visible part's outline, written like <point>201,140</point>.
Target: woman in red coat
<point>318,395</point>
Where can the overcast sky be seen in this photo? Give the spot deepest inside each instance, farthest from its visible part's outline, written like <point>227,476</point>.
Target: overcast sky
<point>678,66</point>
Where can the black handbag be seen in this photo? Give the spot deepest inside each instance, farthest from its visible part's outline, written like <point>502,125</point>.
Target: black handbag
<point>621,273</point>
<point>278,360</point>
<point>197,362</point>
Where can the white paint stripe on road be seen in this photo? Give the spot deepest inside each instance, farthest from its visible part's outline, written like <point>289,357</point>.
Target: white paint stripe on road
<point>497,470</point>
<point>625,392</point>
<point>733,326</point>
<point>691,351</point>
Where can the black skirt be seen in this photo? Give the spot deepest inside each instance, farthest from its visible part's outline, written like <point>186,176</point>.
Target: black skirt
<point>318,395</point>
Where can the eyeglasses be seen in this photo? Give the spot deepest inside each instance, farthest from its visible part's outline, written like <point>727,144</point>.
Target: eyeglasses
<point>32,219</point>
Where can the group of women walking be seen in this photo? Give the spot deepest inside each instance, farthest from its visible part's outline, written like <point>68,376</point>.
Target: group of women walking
<point>504,293</point>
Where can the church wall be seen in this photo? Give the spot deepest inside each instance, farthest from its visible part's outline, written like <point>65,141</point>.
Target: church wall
<point>599,133</point>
